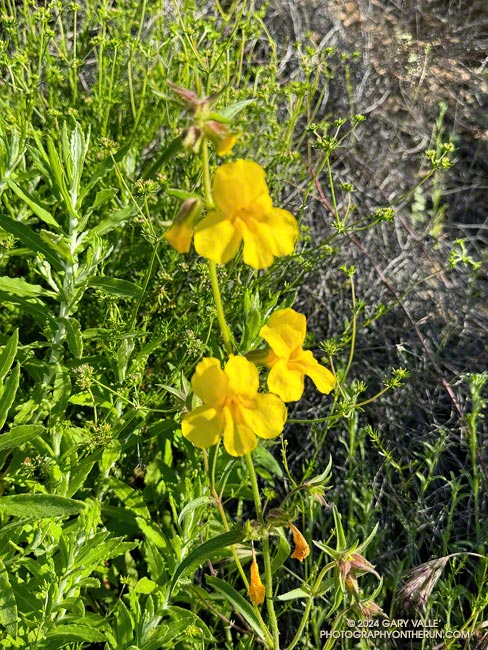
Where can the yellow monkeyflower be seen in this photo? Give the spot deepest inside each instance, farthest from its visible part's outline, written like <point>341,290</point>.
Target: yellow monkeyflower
<point>302,549</point>
<point>232,407</point>
<point>244,212</point>
<point>256,588</point>
<point>289,362</point>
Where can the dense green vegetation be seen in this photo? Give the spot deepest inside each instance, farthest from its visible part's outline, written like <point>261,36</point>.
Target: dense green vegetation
<point>116,532</point>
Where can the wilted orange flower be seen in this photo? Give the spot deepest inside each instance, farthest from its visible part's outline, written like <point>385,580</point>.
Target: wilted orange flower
<point>302,549</point>
<point>256,588</point>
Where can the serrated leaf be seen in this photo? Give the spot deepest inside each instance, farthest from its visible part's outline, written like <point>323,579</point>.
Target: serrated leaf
<point>238,602</point>
<point>39,506</point>
<point>8,604</point>
<point>8,354</point>
<point>30,239</point>
<point>8,393</point>
<point>19,435</point>
<point>39,210</point>
<point>205,551</point>
<point>115,287</point>
<point>19,287</point>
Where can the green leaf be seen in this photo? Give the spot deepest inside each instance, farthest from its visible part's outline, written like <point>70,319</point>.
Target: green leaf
<point>64,634</point>
<point>7,395</point>
<point>115,287</point>
<point>59,244</point>
<point>8,354</point>
<point>168,153</point>
<point>18,435</point>
<point>32,306</point>
<point>8,605</point>
<point>193,505</point>
<point>238,602</point>
<point>205,551</point>
<point>30,239</point>
<point>145,586</point>
<point>102,197</point>
<point>39,506</point>
<point>229,112</point>
<point>110,223</point>
<point>282,552</point>
<point>265,459</point>
<point>73,336</point>
<point>36,208</point>
<point>294,594</point>
<point>19,287</point>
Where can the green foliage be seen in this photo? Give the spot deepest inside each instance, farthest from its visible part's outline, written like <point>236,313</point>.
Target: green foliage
<point>114,533</point>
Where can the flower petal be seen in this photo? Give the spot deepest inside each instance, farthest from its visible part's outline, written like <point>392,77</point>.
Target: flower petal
<point>283,230</point>
<point>323,379</point>
<point>241,185</point>
<point>203,426</point>
<point>285,332</point>
<point>258,243</point>
<point>239,439</point>
<point>267,418</point>
<point>287,383</point>
<point>179,236</point>
<point>216,238</point>
<point>243,377</point>
<point>209,382</point>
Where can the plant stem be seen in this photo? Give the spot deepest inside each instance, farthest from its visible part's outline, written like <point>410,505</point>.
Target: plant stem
<point>224,328</point>
<point>266,554</point>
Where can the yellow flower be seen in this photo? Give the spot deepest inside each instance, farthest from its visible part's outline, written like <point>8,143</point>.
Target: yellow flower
<point>289,362</point>
<point>244,212</point>
<point>232,407</point>
<point>256,588</point>
<point>180,234</point>
<point>225,146</point>
<point>302,549</point>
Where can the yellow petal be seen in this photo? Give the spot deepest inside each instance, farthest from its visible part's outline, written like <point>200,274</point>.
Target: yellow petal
<point>243,377</point>
<point>216,238</point>
<point>203,426</point>
<point>268,417</point>
<point>241,185</point>
<point>258,243</point>
<point>323,379</point>
<point>179,236</point>
<point>285,331</point>
<point>257,590</point>
<point>239,439</point>
<point>225,146</point>
<point>288,384</point>
<point>209,382</point>
<point>283,230</point>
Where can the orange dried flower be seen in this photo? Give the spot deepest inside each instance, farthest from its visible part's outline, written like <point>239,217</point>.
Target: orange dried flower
<point>256,588</point>
<point>302,549</point>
